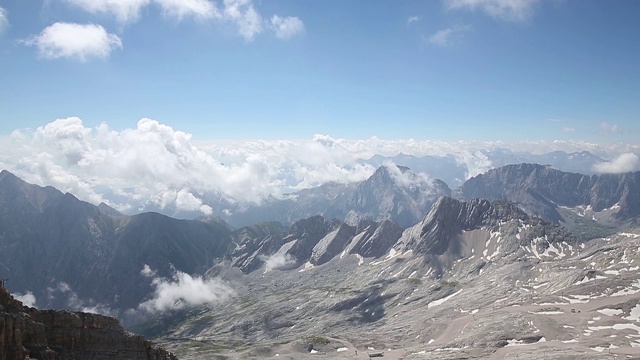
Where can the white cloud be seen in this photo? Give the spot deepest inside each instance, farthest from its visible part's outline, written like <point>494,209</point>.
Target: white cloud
<point>286,27</point>
<point>244,15</point>
<point>181,8</point>
<point>512,10</point>
<point>77,41</point>
<point>447,36</point>
<point>609,128</point>
<point>125,11</point>
<point>408,179</point>
<point>184,291</point>
<point>28,299</point>
<point>4,20</point>
<point>148,272</point>
<point>62,290</point>
<point>413,19</point>
<point>475,161</point>
<point>188,202</point>
<point>278,261</point>
<point>624,163</point>
<point>154,166</point>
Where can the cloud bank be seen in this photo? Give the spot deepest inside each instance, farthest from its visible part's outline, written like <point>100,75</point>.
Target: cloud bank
<point>76,41</point>
<point>184,291</point>
<point>154,166</point>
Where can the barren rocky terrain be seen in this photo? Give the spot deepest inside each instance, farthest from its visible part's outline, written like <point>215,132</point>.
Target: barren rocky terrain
<point>500,298</point>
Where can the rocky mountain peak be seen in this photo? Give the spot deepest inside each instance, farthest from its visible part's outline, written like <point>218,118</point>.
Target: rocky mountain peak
<point>448,217</point>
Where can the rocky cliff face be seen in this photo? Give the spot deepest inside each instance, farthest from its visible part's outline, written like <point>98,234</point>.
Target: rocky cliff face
<point>540,190</point>
<point>28,333</point>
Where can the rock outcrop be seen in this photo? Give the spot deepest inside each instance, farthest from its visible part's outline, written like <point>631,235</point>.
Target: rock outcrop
<point>29,333</point>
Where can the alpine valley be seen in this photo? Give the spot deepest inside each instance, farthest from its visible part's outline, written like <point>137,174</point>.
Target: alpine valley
<point>524,261</point>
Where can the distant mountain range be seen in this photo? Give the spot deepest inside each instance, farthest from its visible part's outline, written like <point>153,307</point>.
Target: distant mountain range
<point>333,199</point>
<point>575,200</point>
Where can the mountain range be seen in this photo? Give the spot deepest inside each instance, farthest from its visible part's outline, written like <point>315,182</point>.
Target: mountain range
<point>396,261</point>
<point>450,169</point>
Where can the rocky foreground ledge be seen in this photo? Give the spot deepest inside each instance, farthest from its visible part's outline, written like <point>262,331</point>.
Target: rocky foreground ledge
<point>29,333</point>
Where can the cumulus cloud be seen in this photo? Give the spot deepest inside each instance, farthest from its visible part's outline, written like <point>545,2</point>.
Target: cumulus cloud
<point>512,10</point>
<point>186,201</point>
<point>624,163</point>
<point>77,41</point>
<point>4,20</point>
<point>184,291</point>
<point>447,36</point>
<point>28,299</point>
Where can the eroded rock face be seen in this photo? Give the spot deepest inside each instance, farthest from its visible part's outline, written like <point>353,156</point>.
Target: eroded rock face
<point>49,334</point>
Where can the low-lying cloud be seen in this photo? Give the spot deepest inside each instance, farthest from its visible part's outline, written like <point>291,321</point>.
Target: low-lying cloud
<point>62,293</point>
<point>28,299</point>
<point>624,163</point>
<point>278,261</point>
<point>184,291</point>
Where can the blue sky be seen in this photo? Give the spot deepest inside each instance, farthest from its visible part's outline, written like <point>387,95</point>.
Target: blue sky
<point>241,69</point>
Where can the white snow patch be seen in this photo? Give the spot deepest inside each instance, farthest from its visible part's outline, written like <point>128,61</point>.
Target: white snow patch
<point>443,300</point>
<point>634,315</point>
<point>610,312</point>
<point>307,266</point>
